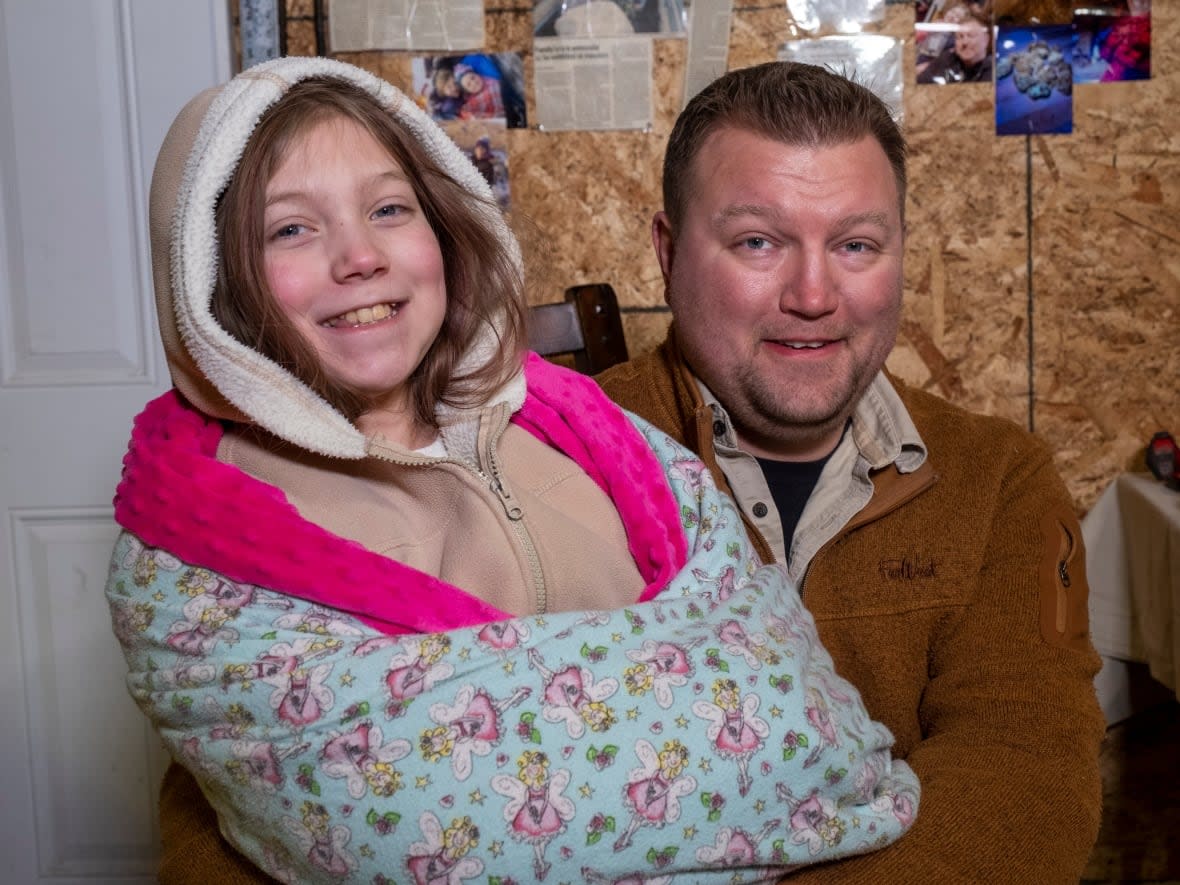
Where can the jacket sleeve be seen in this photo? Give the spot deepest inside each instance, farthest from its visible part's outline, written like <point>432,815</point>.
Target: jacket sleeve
<point>1010,724</point>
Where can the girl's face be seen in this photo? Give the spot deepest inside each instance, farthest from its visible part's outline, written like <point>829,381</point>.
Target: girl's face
<point>354,264</point>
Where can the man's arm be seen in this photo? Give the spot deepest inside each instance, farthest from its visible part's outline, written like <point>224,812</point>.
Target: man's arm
<point>1011,728</point>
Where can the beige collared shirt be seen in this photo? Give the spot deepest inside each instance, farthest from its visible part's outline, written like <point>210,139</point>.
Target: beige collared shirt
<point>882,433</point>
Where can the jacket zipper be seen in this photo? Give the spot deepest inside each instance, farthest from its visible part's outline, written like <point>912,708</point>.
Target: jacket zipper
<point>494,481</point>
<point>515,514</point>
<point>490,471</point>
<point>1064,556</point>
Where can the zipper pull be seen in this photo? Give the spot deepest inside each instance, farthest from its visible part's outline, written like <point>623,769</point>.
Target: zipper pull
<point>511,509</point>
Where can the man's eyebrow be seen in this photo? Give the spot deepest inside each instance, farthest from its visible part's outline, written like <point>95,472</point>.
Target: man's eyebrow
<point>742,210</point>
<point>876,219</point>
<point>758,210</point>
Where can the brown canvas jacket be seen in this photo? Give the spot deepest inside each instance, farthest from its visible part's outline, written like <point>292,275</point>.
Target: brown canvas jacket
<point>956,601</point>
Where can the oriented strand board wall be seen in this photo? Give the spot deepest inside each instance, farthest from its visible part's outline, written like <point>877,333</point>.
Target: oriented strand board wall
<point>1043,274</point>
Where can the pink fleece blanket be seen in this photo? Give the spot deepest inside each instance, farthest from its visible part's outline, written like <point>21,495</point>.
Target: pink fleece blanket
<point>174,491</point>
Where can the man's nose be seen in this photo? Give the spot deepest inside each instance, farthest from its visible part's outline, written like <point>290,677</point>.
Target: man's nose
<point>809,289</point>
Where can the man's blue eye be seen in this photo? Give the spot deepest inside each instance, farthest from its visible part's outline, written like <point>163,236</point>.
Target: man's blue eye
<point>755,243</point>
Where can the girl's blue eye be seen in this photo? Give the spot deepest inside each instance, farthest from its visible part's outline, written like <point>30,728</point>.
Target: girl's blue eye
<point>288,230</point>
<point>386,211</point>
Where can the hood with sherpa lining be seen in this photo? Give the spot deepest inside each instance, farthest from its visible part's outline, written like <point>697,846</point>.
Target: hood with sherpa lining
<point>213,370</point>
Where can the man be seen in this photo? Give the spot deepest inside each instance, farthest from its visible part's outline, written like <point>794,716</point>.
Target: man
<point>938,550</point>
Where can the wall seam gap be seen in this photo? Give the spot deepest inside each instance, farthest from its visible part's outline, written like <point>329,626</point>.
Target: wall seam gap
<point>1028,212</point>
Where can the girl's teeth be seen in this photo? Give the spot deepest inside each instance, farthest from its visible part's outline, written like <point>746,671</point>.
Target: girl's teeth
<point>362,317</point>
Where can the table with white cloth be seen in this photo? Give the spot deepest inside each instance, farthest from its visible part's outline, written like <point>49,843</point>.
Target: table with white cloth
<point>1132,540</point>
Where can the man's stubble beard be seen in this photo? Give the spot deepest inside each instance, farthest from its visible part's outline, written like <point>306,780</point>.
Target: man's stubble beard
<point>773,419</point>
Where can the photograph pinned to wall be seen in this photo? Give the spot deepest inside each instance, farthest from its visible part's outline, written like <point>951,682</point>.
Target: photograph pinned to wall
<point>608,18</point>
<point>1112,42</point>
<point>485,142</point>
<point>1034,82</point>
<point>472,87</point>
<point>873,60</point>
<point>842,16</point>
<point>953,40</point>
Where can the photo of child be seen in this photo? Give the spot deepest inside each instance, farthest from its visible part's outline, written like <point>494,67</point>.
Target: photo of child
<point>472,87</point>
<point>487,148</point>
<point>481,96</point>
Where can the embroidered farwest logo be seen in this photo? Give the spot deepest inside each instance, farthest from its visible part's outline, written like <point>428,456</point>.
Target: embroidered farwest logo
<point>908,568</point>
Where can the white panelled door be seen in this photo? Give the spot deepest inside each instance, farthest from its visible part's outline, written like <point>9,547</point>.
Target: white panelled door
<point>87,90</point>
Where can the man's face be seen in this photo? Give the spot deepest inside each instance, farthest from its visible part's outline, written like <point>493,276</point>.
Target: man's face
<point>971,42</point>
<point>785,283</point>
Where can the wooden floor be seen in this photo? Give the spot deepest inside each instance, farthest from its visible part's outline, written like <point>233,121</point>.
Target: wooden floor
<point>1140,836</point>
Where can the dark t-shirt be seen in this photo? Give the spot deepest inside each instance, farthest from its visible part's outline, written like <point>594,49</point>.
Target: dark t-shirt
<point>791,484</point>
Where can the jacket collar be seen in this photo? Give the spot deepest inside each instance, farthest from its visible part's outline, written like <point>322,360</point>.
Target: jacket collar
<point>883,433</point>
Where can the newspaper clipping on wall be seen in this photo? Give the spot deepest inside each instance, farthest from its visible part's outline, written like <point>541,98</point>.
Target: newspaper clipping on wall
<point>358,25</point>
<point>593,84</point>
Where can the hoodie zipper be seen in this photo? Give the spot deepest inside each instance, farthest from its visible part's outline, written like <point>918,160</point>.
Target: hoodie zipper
<point>488,472</point>
<point>515,514</point>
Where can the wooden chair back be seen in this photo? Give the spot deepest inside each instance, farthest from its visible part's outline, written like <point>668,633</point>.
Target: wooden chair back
<point>587,325</point>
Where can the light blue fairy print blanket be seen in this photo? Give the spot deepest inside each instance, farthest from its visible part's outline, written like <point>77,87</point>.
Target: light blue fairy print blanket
<point>701,736</point>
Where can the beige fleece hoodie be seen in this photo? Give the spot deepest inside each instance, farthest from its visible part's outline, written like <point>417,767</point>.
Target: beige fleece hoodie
<point>503,516</point>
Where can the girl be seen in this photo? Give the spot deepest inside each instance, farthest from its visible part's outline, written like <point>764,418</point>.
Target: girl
<point>357,475</point>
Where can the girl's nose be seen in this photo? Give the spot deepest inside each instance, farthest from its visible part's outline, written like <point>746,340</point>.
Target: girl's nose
<point>356,254</point>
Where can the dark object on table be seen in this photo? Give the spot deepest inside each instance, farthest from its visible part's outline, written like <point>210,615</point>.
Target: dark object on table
<point>1162,459</point>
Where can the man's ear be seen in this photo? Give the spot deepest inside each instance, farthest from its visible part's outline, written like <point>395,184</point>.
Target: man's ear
<point>665,245</point>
